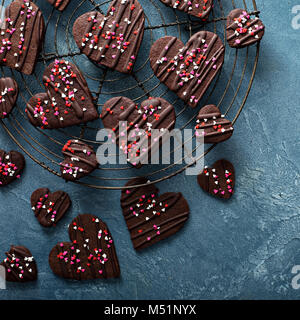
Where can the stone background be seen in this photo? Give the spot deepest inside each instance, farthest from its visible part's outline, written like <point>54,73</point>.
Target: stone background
<point>241,249</point>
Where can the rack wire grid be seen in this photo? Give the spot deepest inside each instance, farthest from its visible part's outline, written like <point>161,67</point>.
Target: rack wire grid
<point>229,91</point>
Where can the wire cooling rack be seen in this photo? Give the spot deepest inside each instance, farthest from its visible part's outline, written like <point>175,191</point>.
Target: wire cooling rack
<point>229,91</point>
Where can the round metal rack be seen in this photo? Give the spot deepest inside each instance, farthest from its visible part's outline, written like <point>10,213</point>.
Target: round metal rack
<point>229,91</point>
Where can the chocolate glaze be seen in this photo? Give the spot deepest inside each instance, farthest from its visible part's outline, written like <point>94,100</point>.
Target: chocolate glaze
<point>218,180</point>
<point>59,4</point>
<point>118,39</point>
<point>11,166</point>
<point>91,253</point>
<point>20,265</point>
<point>67,101</point>
<point>153,113</point>
<point>214,125</point>
<point>150,217</point>
<point>188,69</point>
<point>49,207</point>
<point>8,96</point>
<point>242,31</point>
<point>24,33</point>
<point>80,160</point>
<point>197,8</point>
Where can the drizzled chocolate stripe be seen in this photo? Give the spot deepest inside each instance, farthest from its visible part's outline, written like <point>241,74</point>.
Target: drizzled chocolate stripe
<point>90,254</point>
<point>197,8</point>
<point>67,101</point>
<point>24,32</point>
<point>12,164</point>
<point>59,4</point>
<point>188,70</point>
<point>150,217</point>
<point>80,160</point>
<point>114,40</point>
<point>8,96</point>
<point>243,31</point>
<point>20,265</point>
<point>212,125</point>
<point>219,180</point>
<point>49,207</point>
<point>154,113</point>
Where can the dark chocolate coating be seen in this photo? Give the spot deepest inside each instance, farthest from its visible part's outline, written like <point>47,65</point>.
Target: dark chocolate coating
<point>197,8</point>
<point>241,30</point>
<point>67,100</point>
<point>214,125</point>
<point>20,265</point>
<point>91,253</point>
<point>150,217</point>
<point>80,160</point>
<point>49,207</point>
<point>12,164</point>
<point>8,95</point>
<point>59,4</point>
<point>118,35</point>
<point>189,69</point>
<point>218,180</point>
<point>153,113</point>
<point>23,36</point>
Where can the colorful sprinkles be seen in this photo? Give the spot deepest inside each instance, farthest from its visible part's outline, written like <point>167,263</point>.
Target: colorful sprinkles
<point>192,68</point>
<point>150,217</point>
<point>242,30</point>
<point>114,40</point>
<point>133,135</point>
<point>11,165</point>
<point>20,265</point>
<point>14,52</point>
<point>198,8</point>
<point>89,255</point>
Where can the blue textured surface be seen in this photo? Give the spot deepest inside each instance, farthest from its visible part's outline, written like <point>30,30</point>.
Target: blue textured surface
<point>244,248</point>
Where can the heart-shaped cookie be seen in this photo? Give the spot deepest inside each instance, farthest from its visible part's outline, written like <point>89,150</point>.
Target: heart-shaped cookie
<point>80,160</point>
<point>67,101</point>
<point>242,31</point>
<point>22,35</point>
<point>19,265</point>
<point>197,8</point>
<point>59,4</point>
<point>153,113</point>
<point>49,207</point>
<point>218,180</point>
<point>11,165</point>
<point>112,40</point>
<point>213,124</point>
<point>150,217</point>
<point>8,96</point>
<point>188,69</point>
<point>91,253</point>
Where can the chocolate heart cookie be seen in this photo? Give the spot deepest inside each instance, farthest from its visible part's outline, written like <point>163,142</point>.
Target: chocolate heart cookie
<point>242,31</point>
<point>197,8</point>
<point>19,265</point>
<point>67,101</point>
<point>154,113</point>
<point>49,207</point>
<point>80,160</point>
<point>91,253</point>
<point>214,125</point>
<point>59,4</point>
<point>112,40</point>
<point>22,35</point>
<point>8,96</point>
<point>150,217</point>
<point>11,165</point>
<point>188,69</point>
<point>218,180</point>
